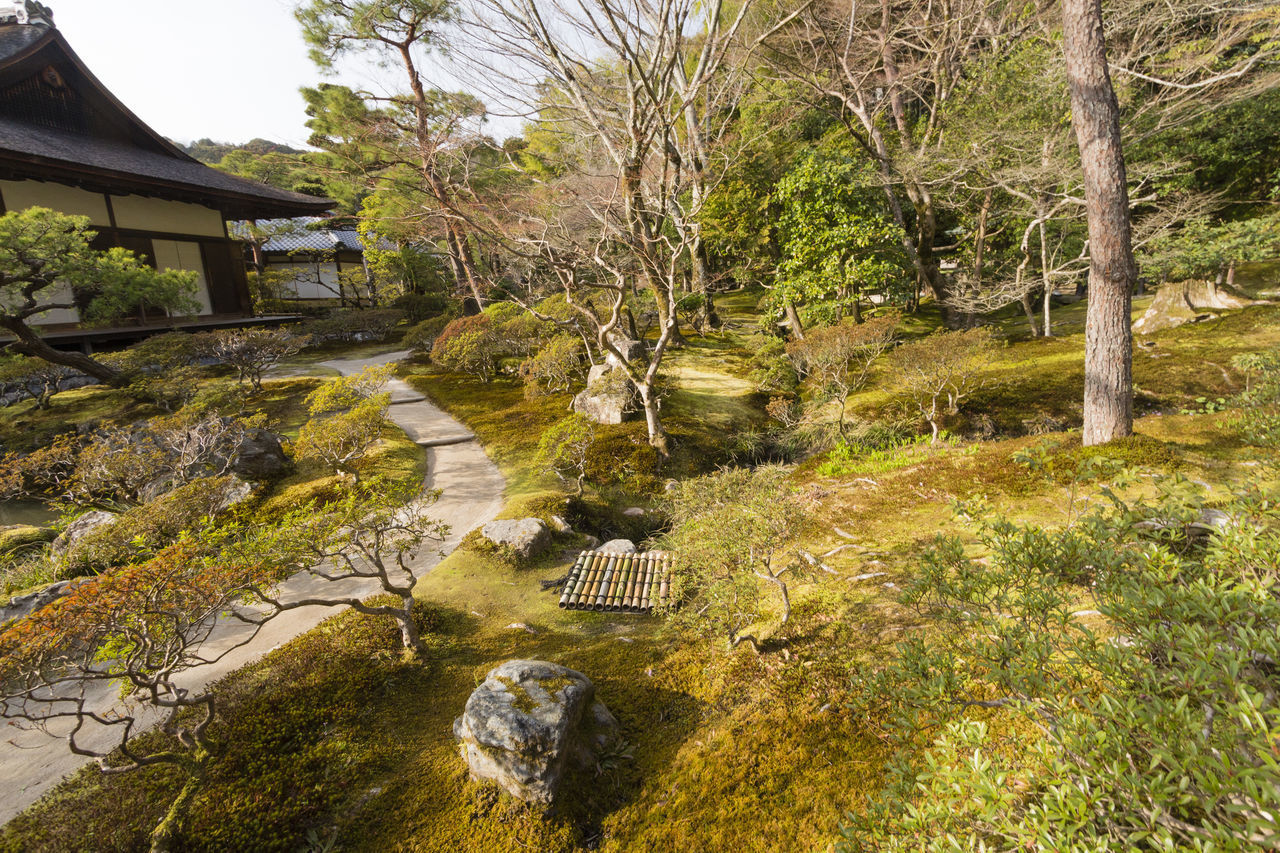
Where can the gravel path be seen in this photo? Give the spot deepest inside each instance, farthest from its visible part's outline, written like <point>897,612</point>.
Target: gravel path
<point>472,489</point>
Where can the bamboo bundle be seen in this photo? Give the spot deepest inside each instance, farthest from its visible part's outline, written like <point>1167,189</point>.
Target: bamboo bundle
<point>626,583</point>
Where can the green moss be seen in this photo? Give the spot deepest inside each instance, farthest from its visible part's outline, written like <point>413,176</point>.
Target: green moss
<point>23,537</point>
<point>521,700</point>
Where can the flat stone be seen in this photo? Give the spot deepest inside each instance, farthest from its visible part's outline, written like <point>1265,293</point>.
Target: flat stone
<point>618,546</point>
<point>445,441</point>
<point>528,723</point>
<point>527,537</point>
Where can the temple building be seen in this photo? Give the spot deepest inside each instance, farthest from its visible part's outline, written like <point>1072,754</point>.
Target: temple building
<point>68,144</point>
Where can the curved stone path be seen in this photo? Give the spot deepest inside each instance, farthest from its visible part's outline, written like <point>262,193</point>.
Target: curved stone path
<point>471,494</point>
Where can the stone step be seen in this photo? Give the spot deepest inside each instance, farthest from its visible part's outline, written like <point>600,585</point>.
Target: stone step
<point>401,401</point>
<point>445,441</point>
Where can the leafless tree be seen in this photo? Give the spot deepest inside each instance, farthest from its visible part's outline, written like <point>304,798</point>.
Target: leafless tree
<point>633,87</point>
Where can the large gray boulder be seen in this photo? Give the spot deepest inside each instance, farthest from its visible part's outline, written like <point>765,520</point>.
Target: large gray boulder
<point>530,722</point>
<point>77,530</point>
<point>526,537</point>
<point>24,605</point>
<point>259,456</point>
<point>610,396</point>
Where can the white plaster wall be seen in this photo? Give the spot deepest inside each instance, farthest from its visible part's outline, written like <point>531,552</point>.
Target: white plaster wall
<point>19,195</point>
<point>174,217</point>
<point>311,281</point>
<point>176,255</point>
<point>61,293</point>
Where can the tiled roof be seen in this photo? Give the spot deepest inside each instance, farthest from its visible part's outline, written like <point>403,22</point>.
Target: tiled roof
<point>622,583</point>
<point>311,236</point>
<point>130,156</point>
<point>100,154</point>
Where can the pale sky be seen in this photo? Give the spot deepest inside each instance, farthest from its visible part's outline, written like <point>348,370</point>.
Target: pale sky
<point>224,69</point>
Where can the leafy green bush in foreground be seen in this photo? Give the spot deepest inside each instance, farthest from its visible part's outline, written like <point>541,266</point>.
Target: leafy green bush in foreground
<point>1108,685</point>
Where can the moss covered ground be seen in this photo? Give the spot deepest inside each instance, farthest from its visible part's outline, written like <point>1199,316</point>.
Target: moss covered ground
<point>335,743</point>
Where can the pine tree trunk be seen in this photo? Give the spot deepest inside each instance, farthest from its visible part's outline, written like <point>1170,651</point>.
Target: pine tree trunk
<point>30,343</point>
<point>1095,113</point>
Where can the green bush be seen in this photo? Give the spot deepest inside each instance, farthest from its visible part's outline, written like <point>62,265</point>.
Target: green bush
<point>144,530</point>
<point>621,456</point>
<point>559,364</point>
<point>422,336</point>
<point>771,370</point>
<point>354,325</point>
<point>417,307</point>
<point>1105,685</point>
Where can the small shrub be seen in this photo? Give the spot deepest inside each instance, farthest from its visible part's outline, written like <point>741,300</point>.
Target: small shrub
<point>566,448</point>
<point>935,374</point>
<point>25,378</point>
<point>355,326</point>
<point>422,337</point>
<point>417,307</point>
<point>556,367</point>
<point>838,359</point>
<point>771,370</point>
<point>251,351</point>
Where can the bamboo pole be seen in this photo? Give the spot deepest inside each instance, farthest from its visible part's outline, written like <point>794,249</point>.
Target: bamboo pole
<point>624,603</point>
<point>620,582</point>
<point>601,590</point>
<point>588,572</point>
<point>655,597</point>
<point>632,601</point>
<point>574,574</point>
<point>645,582</point>
<point>666,571</point>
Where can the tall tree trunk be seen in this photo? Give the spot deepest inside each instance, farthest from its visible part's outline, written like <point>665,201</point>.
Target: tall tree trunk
<point>793,318</point>
<point>1031,314</point>
<point>1095,114</point>
<point>1046,280</point>
<point>35,346</point>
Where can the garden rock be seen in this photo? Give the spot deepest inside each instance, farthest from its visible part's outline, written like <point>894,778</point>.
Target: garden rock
<point>618,546</point>
<point>259,456</point>
<point>610,396</point>
<point>77,530</point>
<point>530,722</point>
<point>527,537</point>
<point>631,351</point>
<point>237,492</point>
<point>1177,303</point>
<point>560,525</point>
<point>24,605</point>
